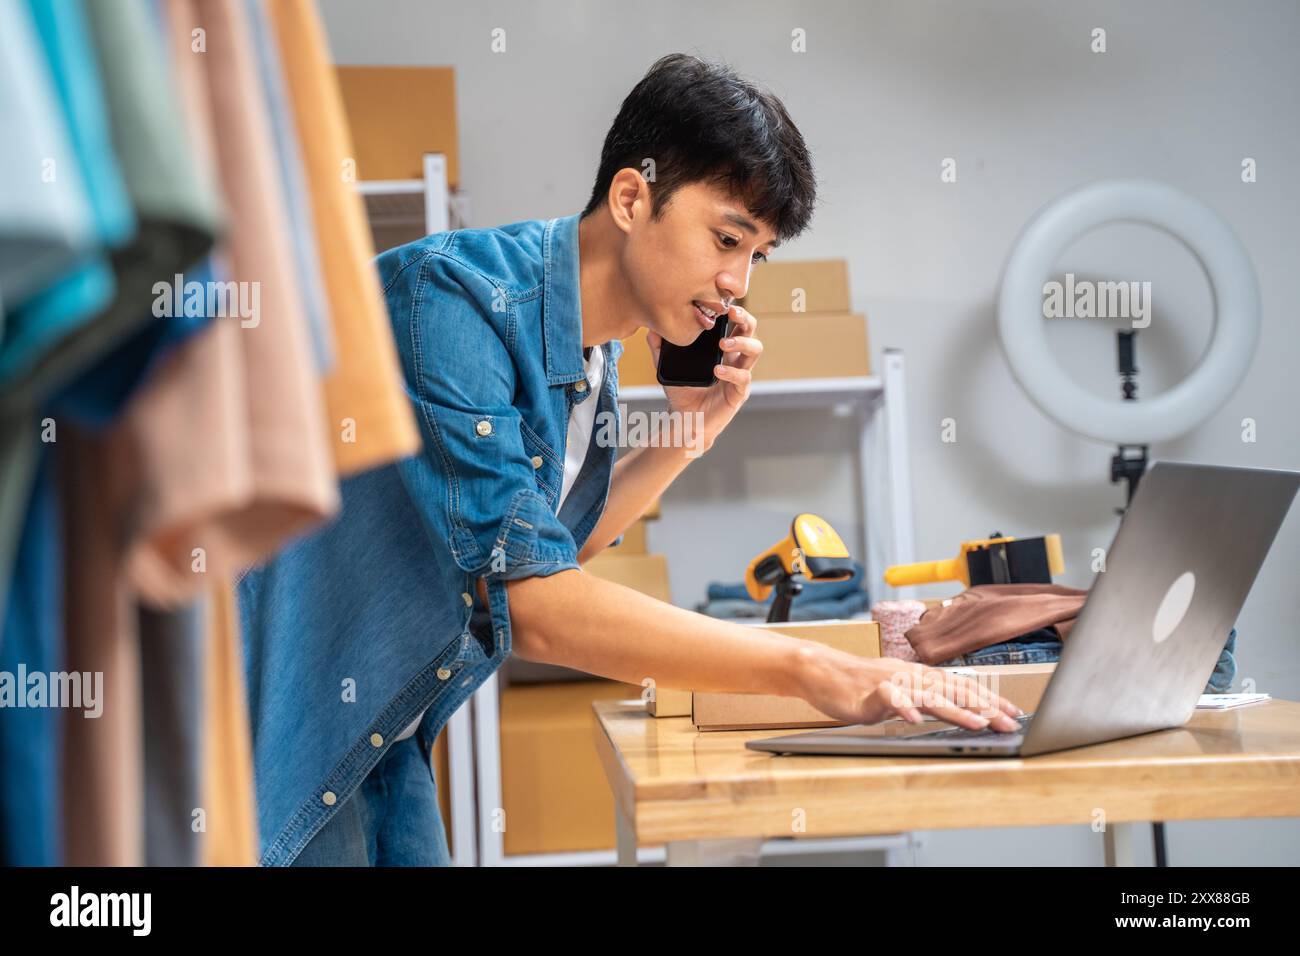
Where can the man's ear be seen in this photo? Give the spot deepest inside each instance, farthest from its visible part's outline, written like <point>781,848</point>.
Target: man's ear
<point>629,198</point>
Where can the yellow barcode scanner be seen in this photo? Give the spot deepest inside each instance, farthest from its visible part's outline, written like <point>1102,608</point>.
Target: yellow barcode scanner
<point>995,560</point>
<point>812,551</point>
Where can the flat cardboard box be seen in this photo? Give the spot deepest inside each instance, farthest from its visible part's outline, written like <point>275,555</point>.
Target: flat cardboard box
<point>647,573</point>
<point>795,346</point>
<point>820,285</point>
<point>553,788</point>
<point>719,711</point>
<point>669,703</point>
<point>848,636</point>
<point>396,114</point>
<point>813,345</point>
<point>1022,684</point>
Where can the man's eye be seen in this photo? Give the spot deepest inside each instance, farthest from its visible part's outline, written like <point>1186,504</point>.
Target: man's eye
<point>730,243</point>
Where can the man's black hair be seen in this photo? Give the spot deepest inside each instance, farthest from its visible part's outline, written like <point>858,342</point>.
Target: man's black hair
<point>699,121</point>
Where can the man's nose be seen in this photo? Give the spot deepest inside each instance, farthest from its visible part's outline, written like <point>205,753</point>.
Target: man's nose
<point>731,288</point>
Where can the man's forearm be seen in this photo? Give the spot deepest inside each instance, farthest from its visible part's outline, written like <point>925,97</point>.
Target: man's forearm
<point>578,620</point>
<point>639,478</point>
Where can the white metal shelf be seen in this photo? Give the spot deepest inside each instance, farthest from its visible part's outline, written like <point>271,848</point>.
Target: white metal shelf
<point>783,393</point>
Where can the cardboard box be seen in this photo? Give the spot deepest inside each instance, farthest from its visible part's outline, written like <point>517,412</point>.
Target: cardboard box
<point>647,573</point>
<point>849,636</point>
<point>1022,684</point>
<point>813,345</point>
<point>635,365</point>
<point>669,703</point>
<point>719,711</point>
<point>396,114</point>
<point>633,539</point>
<point>820,285</point>
<point>553,788</point>
<point>795,346</point>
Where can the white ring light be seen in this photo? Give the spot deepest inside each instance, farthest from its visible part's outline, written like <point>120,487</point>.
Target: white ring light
<point>1232,282</point>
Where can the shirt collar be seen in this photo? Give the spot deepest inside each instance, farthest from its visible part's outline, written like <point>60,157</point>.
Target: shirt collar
<point>562,301</point>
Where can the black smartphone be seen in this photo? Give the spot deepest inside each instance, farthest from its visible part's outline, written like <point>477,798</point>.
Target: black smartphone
<point>692,365</point>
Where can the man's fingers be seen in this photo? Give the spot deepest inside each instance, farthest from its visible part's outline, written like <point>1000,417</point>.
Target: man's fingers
<point>933,702</point>
<point>976,695</point>
<point>966,692</point>
<point>958,695</point>
<point>744,349</point>
<point>742,323</point>
<point>897,699</point>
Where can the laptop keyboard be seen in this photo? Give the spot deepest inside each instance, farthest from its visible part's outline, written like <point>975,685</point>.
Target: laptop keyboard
<point>961,733</point>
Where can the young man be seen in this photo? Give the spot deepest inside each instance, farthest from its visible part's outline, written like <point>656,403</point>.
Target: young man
<point>366,636</point>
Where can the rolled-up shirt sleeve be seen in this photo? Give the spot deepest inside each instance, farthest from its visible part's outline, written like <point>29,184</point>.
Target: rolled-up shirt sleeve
<point>473,482</point>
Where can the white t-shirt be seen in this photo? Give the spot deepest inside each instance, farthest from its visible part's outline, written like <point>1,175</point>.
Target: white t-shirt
<point>582,424</point>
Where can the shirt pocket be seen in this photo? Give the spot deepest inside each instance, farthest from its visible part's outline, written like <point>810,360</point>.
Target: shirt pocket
<point>548,467</point>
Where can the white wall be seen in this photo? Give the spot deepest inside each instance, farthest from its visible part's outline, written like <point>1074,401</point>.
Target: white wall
<point>883,93</point>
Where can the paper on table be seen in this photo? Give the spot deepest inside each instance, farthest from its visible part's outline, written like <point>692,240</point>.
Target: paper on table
<point>1228,701</point>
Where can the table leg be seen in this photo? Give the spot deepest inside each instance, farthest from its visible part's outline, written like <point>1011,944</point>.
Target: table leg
<point>1120,843</point>
<point>624,837</point>
<point>738,852</point>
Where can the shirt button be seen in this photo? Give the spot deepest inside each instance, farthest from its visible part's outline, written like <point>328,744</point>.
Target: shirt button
<point>328,798</point>
<point>464,596</point>
<point>443,673</point>
<point>580,387</point>
<point>484,427</point>
<point>377,740</point>
<point>537,461</point>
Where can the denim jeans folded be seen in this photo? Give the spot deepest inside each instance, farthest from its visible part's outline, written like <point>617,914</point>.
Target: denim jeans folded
<point>1021,651</point>
<point>820,610</point>
<point>812,590</point>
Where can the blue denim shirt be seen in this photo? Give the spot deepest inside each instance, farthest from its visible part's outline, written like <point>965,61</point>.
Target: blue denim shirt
<point>353,631</point>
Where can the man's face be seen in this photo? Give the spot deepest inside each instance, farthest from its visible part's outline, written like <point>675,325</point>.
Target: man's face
<point>699,251</point>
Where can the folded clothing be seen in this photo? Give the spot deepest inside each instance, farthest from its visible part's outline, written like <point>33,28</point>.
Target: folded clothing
<point>818,601</point>
<point>1045,649</point>
<point>845,606</point>
<point>812,590</point>
<point>989,614</point>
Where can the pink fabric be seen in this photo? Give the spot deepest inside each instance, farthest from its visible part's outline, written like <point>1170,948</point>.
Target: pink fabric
<point>894,618</point>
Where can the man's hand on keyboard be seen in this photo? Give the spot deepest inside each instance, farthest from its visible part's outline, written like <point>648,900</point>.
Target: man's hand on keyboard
<point>863,690</point>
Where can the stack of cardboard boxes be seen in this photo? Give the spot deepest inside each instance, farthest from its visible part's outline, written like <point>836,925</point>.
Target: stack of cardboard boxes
<point>805,323</point>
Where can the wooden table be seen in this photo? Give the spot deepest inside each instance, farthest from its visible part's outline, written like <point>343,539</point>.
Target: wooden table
<point>706,797</point>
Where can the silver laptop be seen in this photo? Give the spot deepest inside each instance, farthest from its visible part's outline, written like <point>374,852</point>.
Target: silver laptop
<point>1150,631</point>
